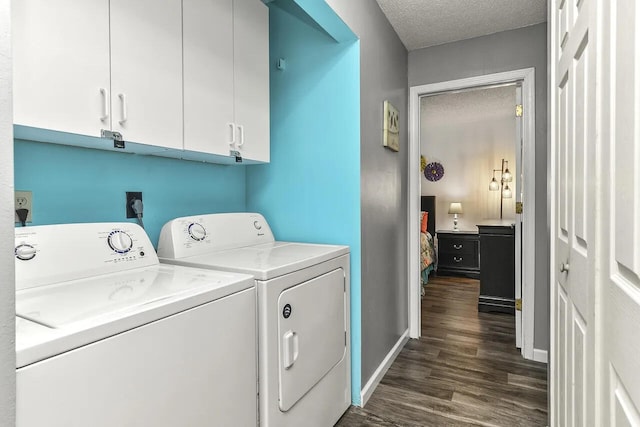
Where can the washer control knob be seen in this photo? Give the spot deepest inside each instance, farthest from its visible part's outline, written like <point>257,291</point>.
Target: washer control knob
<point>120,241</point>
<point>197,232</point>
<point>25,252</point>
<point>257,225</point>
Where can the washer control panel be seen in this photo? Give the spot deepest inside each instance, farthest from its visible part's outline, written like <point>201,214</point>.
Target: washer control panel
<point>54,253</point>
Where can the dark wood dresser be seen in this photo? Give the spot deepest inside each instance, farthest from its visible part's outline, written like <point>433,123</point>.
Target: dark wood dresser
<point>497,275</point>
<point>458,253</point>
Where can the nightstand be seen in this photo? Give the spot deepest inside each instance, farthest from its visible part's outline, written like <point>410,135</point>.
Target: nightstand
<point>458,253</point>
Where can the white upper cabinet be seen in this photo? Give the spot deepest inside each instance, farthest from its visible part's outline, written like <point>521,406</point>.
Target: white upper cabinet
<point>146,71</point>
<point>61,65</point>
<point>182,78</point>
<point>208,75</point>
<point>226,77</point>
<point>251,84</point>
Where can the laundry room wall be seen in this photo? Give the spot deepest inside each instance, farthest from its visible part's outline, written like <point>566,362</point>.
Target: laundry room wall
<point>505,51</point>
<point>71,184</point>
<point>7,280</point>
<point>310,192</point>
<point>383,186</point>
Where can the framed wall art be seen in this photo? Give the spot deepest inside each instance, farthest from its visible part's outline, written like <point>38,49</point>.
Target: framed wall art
<point>391,127</point>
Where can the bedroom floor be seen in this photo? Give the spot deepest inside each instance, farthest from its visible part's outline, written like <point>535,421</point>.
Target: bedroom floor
<point>464,371</point>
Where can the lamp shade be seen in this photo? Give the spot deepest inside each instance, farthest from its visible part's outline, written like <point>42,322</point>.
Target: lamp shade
<point>494,185</point>
<point>506,174</point>
<point>455,208</point>
<point>506,193</point>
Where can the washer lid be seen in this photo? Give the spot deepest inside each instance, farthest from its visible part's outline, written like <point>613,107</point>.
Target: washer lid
<point>265,261</point>
<point>75,313</point>
<point>29,333</point>
<point>104,299</point>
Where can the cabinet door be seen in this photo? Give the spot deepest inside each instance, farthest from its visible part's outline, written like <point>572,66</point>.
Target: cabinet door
<point>251,63</point>
<point>146,71</point>
<point>497,275</point>
<point>61,64</point>
<point>208,75</point>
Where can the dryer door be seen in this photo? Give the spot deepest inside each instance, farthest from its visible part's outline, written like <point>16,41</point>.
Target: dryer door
<point>311,330</point>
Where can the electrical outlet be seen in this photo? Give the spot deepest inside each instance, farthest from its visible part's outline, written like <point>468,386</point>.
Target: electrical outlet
<point>23,200</point>
<point>131,196</point>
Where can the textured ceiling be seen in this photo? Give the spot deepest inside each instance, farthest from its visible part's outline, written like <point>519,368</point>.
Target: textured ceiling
<point>471,106</point>
<point>424,23</point>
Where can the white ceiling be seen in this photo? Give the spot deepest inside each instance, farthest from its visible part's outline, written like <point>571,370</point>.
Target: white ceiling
<point>474,106</point>
<point>424,23</point>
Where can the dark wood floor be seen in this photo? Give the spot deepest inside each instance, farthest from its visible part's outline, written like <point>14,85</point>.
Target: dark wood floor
<point>464,371</point>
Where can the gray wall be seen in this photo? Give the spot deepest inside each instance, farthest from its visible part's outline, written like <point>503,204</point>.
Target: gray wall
<point>505,51</point>
<point>7,286</point>
<point>383,65</point>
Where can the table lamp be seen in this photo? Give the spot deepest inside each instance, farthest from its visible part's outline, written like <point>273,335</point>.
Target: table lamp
<point>455,208</point>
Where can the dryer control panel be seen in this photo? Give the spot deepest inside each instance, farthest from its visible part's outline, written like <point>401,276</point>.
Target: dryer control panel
<point>201,234</point>
<point>49,254</point>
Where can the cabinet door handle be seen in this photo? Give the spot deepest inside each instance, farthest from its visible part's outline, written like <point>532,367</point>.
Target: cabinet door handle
<point>232,134</point>
<point>241,131</point>
<point>105,104</point>
<point>456,259</point>
<point>457,247</point>
<point>123,102</point>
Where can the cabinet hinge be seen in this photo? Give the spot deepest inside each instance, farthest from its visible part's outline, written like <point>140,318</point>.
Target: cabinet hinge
<point>118,142</point>
<point>519,304</point>
<point>519,110</point>
<point>518,207</point>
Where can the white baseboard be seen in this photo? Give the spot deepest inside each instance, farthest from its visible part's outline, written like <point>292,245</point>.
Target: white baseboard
<point>540,355</point>
<point>377,376</point>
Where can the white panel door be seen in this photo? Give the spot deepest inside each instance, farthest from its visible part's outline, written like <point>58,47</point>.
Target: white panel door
<point>619,159</point>
<point>61,65</point>
<point>251,73</point>
<point>519,182</point>
<point>596,145</point>
<point>573,224</point>
<point>146,71</point>
<point>208,75</point>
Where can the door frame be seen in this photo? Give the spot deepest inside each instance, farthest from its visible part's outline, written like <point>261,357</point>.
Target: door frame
<point>527,78</point>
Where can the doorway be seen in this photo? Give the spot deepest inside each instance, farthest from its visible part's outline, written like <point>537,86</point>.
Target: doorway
<point>525,79</point>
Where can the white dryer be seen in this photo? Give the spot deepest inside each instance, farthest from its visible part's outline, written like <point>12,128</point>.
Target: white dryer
<point>303,311</point>
<point>107,336</point>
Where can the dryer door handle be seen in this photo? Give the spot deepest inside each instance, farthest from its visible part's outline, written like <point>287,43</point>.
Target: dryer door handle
<point>289,349</point>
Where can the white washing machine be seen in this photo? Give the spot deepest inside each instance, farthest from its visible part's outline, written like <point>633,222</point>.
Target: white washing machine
<point>303,311</point>
<point>108,336</point>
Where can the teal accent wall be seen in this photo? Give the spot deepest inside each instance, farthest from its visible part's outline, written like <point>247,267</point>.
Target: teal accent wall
<point>72,184</point>
<point>310,191</point>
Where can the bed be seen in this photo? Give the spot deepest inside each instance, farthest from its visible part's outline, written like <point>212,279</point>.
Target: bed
<point>428,257</point>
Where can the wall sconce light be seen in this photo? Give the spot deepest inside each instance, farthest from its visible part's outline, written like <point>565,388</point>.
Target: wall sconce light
<point>503,186</point>
<point>455,208</point>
